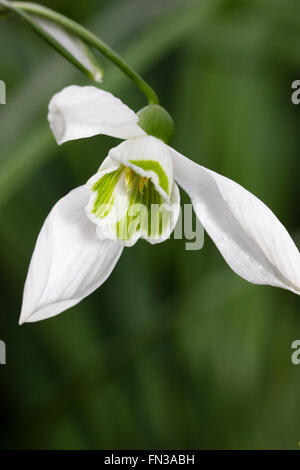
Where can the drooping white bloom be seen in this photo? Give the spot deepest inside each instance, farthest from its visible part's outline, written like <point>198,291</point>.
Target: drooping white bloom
<point>84,234</point>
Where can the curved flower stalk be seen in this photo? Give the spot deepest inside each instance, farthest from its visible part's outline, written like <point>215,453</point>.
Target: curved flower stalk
<point>86,231</point>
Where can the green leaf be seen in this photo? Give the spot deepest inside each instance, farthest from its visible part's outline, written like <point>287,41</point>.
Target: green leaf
<point>71,47</point>
<point>66,43</point>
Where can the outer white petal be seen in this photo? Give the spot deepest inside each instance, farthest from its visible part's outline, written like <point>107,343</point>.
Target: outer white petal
<point>77,112</point>
<point>69,261</point>
<point>249,236</point>
<point>147,149</point>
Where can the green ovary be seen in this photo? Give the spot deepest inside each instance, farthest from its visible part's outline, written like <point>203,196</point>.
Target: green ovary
<point>146,214</point>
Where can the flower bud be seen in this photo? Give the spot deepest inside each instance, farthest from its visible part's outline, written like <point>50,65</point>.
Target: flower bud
<point>156,121</point>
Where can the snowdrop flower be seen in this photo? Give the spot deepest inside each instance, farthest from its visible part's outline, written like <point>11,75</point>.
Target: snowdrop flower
<point>84,235</point>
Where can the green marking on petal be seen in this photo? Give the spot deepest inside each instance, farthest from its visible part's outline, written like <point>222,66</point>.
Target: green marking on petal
<point>152,165</point>
<point>105,188</point>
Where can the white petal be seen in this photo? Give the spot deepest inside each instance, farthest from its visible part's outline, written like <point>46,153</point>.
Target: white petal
<point>149,157</point>
<point>249,236</point>
<point>69,261</point>
<point>77,112</point>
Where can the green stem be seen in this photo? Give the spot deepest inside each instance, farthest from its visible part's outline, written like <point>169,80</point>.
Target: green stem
<point>86,36</point>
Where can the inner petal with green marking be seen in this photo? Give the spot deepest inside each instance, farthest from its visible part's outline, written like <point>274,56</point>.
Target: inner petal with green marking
<point>155,167</point>
<point>130,204</point>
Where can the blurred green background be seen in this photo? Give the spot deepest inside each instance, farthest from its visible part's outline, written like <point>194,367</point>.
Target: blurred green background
<point>174,350</point>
